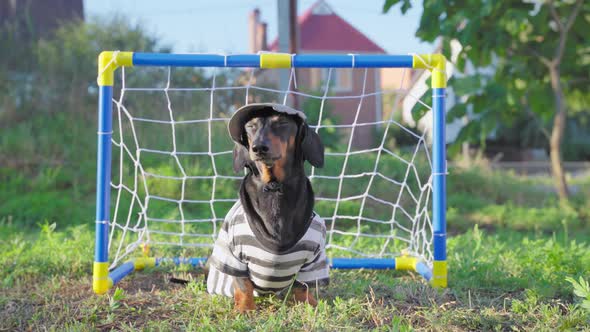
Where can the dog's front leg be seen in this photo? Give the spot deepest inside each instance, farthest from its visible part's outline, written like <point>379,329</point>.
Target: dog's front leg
<point>302,294</point>
<point>243,294</point>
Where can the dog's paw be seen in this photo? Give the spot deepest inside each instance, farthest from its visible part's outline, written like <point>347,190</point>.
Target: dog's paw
<point>244,302</point>
<point>303,295</point>
<point>244,295</point>
<point>245,307</point>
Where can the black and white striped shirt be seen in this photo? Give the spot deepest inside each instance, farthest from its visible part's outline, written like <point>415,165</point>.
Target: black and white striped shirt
<point>237,253</point>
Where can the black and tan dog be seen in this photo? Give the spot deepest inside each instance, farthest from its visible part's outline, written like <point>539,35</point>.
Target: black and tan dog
<point>271,239</point>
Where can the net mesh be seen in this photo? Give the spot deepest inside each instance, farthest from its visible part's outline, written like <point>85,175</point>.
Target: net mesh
<point>173,182</point>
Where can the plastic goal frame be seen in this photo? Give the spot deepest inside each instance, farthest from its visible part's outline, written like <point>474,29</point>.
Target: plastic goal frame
<point>109,61</point>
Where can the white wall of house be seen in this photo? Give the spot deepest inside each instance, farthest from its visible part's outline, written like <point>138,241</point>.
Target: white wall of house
<point>420,87</point>
<point>417,91</point>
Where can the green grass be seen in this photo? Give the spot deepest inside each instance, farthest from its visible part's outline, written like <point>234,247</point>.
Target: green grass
<point>497,282</point>
<point>513,255</point>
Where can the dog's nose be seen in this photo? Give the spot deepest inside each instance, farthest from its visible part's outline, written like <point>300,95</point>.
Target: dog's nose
<point>260,148</point>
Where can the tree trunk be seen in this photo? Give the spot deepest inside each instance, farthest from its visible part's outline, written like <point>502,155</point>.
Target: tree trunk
<point>557,136</point>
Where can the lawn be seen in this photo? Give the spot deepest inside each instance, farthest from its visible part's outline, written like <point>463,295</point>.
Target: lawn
<point>512,248</point>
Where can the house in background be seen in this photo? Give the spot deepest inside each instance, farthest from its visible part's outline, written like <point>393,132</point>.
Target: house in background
<point>322,31</point>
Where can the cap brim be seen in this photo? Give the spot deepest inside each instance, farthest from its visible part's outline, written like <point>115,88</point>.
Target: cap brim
<point>245,113</point>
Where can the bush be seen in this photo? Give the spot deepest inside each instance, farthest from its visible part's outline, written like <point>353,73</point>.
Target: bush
<point>48,116</point>
<point>311,107</point>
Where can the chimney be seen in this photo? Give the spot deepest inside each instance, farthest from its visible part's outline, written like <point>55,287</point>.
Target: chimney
<point>261,37</point>
<point>253,22</point>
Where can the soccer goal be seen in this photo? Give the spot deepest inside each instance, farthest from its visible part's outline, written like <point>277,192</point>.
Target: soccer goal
<point>164,172</point>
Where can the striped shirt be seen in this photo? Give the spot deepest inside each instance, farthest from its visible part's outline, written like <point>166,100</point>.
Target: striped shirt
<point>237,253</point>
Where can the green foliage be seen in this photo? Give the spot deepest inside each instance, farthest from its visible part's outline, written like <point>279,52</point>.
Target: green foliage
<point>499,199</point>
<point>54,75</point>
<point>496,187</point>
<point>115,300</point>
<point>311,107</point>
<point>48,117</point>
<point>581,290</point>
<point>514,38</point>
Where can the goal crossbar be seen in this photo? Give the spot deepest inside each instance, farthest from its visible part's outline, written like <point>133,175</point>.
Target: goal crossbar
<point>109,61</point>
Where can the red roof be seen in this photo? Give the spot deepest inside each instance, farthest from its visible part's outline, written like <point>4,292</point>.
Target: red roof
<point>320,32</point>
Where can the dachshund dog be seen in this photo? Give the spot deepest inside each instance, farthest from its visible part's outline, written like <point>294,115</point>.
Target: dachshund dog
<point>271,240</point>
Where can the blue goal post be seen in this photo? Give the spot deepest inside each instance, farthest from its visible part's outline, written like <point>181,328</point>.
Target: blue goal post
<point>109,61</point>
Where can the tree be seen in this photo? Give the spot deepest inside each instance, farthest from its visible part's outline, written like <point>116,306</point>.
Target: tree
<point>540,54</point>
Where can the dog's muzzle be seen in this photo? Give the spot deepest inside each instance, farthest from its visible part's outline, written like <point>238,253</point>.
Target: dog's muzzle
<point>267,160</point>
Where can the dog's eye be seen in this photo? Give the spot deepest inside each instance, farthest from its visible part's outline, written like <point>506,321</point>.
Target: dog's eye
<point>251,126</point>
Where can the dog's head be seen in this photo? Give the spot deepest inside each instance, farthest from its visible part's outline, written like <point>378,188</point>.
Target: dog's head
<point>275,144</point>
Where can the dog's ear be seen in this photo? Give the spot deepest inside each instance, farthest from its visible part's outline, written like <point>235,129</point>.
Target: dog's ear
<point>312,146</point>
<point>241,157</point>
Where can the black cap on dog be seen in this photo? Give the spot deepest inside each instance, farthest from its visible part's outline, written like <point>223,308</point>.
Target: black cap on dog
<point>246,113</point>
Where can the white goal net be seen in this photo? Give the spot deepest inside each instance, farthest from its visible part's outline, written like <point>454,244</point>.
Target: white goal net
<point>172,177</point>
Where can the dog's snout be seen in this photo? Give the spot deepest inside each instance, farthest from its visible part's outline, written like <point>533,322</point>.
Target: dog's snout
<point>260,148</point>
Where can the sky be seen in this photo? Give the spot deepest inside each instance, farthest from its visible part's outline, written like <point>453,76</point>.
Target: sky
<point>221,26</point>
